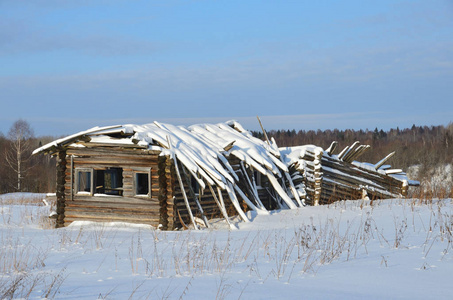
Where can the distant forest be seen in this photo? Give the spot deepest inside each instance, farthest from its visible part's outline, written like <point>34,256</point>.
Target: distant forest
<point>419,145</point>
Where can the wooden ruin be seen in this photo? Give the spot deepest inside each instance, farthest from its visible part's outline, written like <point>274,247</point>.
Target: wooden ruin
<point>174,177</point>
<point>325,177</point>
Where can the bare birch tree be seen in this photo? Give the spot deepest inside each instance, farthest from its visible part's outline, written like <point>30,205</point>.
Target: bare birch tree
<point>19,153</point>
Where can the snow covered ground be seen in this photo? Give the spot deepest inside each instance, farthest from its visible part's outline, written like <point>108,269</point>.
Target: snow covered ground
<point>398,248</point>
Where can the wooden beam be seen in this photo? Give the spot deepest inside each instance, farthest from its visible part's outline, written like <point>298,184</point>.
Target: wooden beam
<point>382,161</point>
<point>181,184</point>
<point>264,131</point>
<point>192,194</point>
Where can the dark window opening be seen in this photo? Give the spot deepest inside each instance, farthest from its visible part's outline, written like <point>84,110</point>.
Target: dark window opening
<point>142,184</point>
<point>109,181</point>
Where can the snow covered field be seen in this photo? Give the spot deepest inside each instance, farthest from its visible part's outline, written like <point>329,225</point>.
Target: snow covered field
<point>399,248</point>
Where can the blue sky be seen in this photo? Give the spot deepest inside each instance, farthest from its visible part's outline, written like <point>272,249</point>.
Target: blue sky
<point>66,66</point>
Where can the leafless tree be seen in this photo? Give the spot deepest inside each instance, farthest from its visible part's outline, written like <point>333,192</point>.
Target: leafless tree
<point>19,153</point>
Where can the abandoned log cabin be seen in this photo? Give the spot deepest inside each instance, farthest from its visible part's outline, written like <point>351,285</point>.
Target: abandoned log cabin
<point>174,177</point>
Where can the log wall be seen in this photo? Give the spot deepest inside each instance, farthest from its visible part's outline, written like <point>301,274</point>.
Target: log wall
<point>165,207</point>
<point>130,208</point>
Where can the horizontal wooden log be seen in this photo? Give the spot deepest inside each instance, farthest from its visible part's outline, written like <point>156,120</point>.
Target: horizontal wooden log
<point>130,163</point>
<point>112,152</point>
<point>115,199</point>
<point>101,211</point>
<point>110,218</point>
<point>381,179</point>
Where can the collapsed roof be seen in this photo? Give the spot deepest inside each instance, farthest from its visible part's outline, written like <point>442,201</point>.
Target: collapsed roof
<point>205,149</point>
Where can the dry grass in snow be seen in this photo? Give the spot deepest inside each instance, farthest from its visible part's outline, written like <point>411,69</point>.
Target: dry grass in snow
<point>350,249</point>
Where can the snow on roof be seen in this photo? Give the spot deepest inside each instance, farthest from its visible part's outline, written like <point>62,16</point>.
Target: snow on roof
<point>201,148</point>
<point>294,154</point>
<point>204,148</point>
<point>93,131</point>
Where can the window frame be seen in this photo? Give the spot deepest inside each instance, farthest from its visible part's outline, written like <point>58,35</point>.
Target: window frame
<point>77,181</point>
<point>146,171</point>
<point>108,170</point>
<point>93,174</point>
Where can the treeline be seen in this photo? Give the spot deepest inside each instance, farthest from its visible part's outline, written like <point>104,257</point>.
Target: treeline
<point>20,171</point>
<point>426,146</point>
<point>419,145</point>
